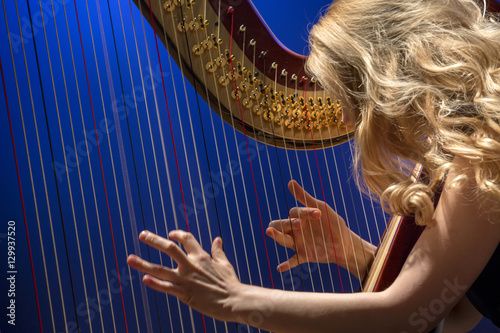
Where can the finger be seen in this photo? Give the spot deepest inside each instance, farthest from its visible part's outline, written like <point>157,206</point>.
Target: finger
<point>305,212</point>
<point>301,195</point>
<point>164,245</point>
<point>284,225</point>
<point>144,266</point>
<point>289,264</point>
<point>163,286</point>
<point>187,240</point>
<point>281,238</point>
<point>217,250</point>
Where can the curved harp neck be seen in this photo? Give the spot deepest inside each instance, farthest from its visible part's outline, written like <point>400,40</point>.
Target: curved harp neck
<point>245,74</point>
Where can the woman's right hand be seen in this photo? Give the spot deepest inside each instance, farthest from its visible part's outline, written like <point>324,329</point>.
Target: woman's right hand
<point>316,233</point>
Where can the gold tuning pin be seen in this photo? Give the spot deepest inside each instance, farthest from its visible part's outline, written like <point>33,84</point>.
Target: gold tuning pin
<point>296,114</point>
<point>257,110</point>
<point>279,121</point>
<point>224,80</point>
<point>204,24</point>
<point>181,26</point>
<point>211,67</point>
<point>243,86</point>
<point>247,103</point>
<point>207,44</point>
<point>194,25</point>
<point>198,49</point>
<point>169,6</point>
<point>298,124</point>
<point>268,115</point>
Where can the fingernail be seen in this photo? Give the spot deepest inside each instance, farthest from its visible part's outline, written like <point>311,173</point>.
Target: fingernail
<point>316,213</point>
<point>296,221</point>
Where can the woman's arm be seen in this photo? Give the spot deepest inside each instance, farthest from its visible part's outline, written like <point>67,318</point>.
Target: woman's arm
<point>361,256</point>
<point>462,318</point>
<point>446,260</point>
<point>448,257</point>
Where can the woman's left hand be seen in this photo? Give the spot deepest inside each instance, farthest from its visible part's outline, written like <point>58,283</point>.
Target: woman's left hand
<point>205,283</point>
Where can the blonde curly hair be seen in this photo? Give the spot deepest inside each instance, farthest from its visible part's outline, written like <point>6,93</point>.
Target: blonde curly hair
<point>421,79</point>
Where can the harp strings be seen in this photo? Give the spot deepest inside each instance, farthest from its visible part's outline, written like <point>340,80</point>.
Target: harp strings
<point>101,167</point>
<point>153,147</point>
<point>133,226</point>
<point>231,12</point>
<point>183,140</point>
<point>118,136</point>
<point>78,165</point>
<point>66,164</point>
<point>157,172</point>
<point>192,178</point>
<point>342,242</point>
<point>89,238</point>
<point>218,94</point>
<point>198,107</point>
<point>269,167</point>
<point>315,194</point>
<point>30,168</point>
<point>283,181</point>
<point>20,190</point>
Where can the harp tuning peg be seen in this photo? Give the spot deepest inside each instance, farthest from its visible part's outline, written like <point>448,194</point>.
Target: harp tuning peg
<point>243,28</point>
<point>181,26</point>
<point>194,25</point>
<point>198,49</point>
<point>168,6</point>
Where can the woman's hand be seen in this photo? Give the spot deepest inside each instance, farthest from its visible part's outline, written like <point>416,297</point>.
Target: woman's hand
<point>201,281</point>
<point>316,233</point>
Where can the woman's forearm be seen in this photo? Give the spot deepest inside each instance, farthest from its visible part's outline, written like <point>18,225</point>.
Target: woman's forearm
<point>360,256</point>
<point>284,311</point>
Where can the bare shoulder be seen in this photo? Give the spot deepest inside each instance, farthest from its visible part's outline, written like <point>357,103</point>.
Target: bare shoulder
<point>451,252</point>
<point>462,190</point>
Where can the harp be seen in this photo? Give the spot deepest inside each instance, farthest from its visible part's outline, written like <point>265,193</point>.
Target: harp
<point>110,138</point>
